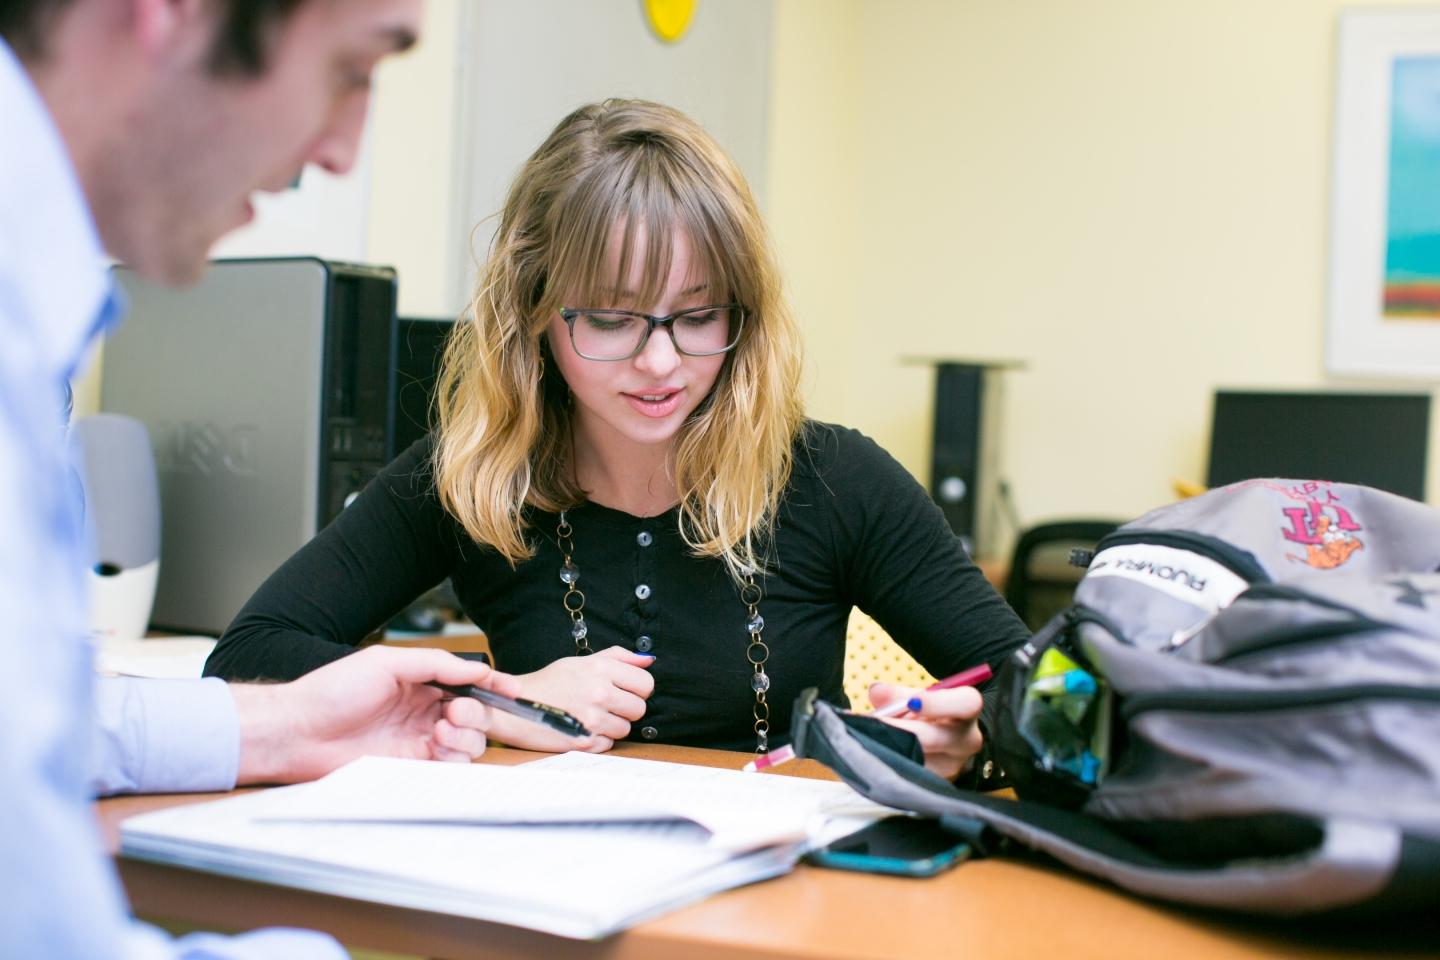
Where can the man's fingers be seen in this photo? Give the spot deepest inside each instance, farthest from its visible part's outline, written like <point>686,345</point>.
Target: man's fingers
<point>504,683</point>
<point>464,740</point>
<point>437,752</point>
<point>468,712</point>
<point>421,665</point>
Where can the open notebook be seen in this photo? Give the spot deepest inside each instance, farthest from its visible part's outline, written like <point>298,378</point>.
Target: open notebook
<point>576,845</point>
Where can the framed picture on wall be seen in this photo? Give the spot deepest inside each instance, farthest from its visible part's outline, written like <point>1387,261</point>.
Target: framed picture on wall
<point>1384,301</point>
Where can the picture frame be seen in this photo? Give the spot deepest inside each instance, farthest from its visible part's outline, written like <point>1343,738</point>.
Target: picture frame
<point>1384,282</point>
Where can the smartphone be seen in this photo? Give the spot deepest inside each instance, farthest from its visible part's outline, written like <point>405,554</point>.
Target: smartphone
<point>901,846</point>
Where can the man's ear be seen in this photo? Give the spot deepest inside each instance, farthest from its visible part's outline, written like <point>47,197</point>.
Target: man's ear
<point>167,28</point>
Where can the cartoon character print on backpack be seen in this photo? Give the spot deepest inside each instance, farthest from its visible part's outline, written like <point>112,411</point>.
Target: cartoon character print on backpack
<point>1324,527</point>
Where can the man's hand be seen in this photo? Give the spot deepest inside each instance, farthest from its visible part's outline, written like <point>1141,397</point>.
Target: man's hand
<point>375,701</point>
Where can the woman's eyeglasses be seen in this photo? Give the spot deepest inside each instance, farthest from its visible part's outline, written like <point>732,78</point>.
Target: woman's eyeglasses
<point>622,334</point>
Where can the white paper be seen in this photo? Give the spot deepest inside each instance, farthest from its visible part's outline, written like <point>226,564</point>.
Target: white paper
<point>163,658</point>
<point>441,849</point>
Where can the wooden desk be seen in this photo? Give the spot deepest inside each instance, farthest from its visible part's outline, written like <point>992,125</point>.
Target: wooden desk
<point>988,908</point>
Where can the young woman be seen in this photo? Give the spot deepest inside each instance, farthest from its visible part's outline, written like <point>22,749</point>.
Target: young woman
<point>622,468</point>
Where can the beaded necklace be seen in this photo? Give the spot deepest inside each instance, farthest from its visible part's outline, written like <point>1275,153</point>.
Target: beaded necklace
<point>756,652</point>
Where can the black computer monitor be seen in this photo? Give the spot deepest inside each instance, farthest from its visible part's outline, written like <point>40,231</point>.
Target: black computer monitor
<point>419,347</point>
<point>1378,439</point>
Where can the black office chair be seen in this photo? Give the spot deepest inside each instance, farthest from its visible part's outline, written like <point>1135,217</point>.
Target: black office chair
<point>1042,578</point>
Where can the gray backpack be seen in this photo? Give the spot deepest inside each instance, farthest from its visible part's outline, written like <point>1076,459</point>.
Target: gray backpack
<point>1241,709</point>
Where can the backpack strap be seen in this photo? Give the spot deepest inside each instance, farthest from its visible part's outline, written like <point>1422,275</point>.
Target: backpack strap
<point>1354,861</point>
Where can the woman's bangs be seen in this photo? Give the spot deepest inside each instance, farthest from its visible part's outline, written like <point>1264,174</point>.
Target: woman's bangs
<point>627,217</point>
<point>578,271</point>
<point>717,253</point>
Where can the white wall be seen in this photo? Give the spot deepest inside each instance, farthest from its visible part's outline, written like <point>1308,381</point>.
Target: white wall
<point>415,223</point>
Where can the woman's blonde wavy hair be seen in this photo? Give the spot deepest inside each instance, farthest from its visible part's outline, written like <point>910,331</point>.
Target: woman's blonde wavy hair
<point>504,413</point>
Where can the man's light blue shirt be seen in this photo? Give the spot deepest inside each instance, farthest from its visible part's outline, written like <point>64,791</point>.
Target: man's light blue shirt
<point>65,737</point>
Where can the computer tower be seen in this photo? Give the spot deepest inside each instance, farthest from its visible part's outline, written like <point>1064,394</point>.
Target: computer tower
<point>419,348</point>
<point>964,468</point>
<point>268,391</point>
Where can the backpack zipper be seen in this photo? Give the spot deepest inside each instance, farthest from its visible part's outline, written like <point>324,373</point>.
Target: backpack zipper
<point>1240,562</point>
<point>1290,637</point>
<point>1284,591</point>
<point>1239,701</point>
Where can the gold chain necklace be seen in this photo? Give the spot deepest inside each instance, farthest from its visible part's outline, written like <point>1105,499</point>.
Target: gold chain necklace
<point>756,652</point>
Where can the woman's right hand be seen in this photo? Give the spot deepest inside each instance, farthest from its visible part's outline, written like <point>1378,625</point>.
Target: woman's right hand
<point>606,691</point>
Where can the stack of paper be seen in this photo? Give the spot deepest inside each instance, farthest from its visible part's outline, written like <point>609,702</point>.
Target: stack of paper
<point>576,845</point>
<point>165,658</point>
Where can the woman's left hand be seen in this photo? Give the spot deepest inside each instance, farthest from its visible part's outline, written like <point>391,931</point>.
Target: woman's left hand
<point>947,724</point>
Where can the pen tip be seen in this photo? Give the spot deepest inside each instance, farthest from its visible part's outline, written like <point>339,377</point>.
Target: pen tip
<point>750,767</point>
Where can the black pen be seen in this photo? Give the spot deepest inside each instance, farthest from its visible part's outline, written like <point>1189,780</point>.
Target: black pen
<point>552,717</point>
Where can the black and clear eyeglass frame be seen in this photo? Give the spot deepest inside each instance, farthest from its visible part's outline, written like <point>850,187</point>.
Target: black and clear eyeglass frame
<point>571,314</point>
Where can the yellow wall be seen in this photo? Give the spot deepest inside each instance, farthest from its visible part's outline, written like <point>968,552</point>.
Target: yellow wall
<point>1128,195</point>
<point>813,181</point>
<point>414,146</point>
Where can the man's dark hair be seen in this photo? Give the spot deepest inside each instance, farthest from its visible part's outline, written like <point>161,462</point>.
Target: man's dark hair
<point>242,40</point>
<point>24,25</point>
<point>242,36</point>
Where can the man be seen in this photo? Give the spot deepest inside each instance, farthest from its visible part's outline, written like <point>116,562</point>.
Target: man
<point>143,127</point>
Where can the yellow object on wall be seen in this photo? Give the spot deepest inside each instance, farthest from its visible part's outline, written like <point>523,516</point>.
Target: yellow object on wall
<point>669,18</point>
<point>870,656</point>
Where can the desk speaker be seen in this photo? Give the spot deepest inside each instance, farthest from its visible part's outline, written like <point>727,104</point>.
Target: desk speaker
<point>113,457</point>
<point>964,467</point>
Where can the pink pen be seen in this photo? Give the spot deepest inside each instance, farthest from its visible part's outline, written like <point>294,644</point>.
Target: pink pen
<point>965,678</point>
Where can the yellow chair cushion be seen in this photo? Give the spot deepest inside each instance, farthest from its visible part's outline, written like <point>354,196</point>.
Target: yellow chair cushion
<point>870,656</point>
